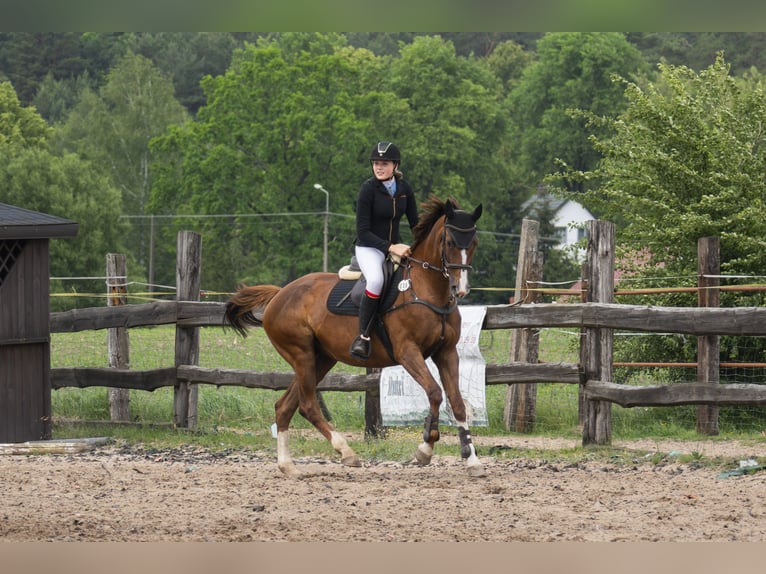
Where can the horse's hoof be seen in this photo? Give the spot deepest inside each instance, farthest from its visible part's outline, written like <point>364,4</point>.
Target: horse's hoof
<point>476,471</point>
<point>422,458</point>
<point>351,461</point>
<point>289,470</point>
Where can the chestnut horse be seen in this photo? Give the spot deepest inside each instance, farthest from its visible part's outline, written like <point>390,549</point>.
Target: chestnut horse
<point>423,321</point>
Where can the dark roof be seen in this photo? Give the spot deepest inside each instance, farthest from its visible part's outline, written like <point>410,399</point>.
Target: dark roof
<point>20,223</point>
<point>542,201</point>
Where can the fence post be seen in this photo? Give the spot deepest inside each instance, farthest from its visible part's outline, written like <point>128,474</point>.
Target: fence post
<point>708,346</point>
<point>597,344</point>
<point>373,415</point>
<point>117,337</point>
<point>188,268</point>
<point>584,278</point>
<point>519,412</point>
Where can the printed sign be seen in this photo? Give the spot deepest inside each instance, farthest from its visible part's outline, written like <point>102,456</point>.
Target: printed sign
<point>403,402</point>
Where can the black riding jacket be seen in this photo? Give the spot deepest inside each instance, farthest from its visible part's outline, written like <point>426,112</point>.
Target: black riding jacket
<point>378,214</point>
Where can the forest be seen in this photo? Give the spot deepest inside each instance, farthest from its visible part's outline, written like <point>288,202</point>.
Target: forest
<point>139,135</point>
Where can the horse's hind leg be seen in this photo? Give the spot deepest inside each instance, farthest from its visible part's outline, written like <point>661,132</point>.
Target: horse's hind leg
<point>284,409</point>
<point>313,413</point>
<point>301,395</point>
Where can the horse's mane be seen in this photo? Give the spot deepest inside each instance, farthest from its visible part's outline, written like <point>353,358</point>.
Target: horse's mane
<point>433,209</point>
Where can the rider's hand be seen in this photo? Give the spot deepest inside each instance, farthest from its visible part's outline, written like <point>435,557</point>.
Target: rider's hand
<point>399,249</point>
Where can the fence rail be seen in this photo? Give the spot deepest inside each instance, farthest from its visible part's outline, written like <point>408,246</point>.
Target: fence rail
<point>741,321</point>
<point>596,319</point>
<point>694,320</point>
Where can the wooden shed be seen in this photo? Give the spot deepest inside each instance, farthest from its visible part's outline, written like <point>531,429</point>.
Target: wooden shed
<point>25,386</point>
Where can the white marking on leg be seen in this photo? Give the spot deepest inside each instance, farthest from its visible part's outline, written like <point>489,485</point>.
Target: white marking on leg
<point>423,454</point>
<point>347,455</point>
<point>472,463</point>
<point>283,449</point>
<point>472,460</point>
<point>340,444</point>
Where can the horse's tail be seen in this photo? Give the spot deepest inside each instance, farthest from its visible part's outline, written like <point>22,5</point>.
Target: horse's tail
<point>238,311</point>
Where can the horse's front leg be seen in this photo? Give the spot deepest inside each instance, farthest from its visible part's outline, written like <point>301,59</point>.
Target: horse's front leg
<point>425,450</point>
<point>415,365</point>
<point>448,364</point>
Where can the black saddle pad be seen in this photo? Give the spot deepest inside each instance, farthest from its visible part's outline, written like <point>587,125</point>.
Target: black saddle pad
<point>339,301</point>
<point>346,294</point>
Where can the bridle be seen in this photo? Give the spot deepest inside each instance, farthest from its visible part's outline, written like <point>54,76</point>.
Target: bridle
<point>446,265</point>
<point>466,237</point>
<point>462,237</point>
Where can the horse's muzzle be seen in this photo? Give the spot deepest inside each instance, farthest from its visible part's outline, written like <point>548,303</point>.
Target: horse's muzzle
<point>461,288</point>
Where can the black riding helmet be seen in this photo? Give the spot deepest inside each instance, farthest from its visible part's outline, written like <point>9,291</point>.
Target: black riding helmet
<point>385,151</point>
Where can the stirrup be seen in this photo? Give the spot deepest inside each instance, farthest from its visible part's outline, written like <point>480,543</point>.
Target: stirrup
<point>360,348</point>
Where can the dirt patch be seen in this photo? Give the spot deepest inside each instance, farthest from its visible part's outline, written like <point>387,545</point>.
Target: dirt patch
<point>123,493</point>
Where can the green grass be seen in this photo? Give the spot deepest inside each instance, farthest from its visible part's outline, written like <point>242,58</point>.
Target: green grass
<point>239,418</point>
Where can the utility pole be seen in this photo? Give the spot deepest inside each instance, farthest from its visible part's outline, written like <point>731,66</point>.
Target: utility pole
<point>326,222</point>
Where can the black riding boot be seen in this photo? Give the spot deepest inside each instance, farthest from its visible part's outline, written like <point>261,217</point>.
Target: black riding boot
<point>360,348</point>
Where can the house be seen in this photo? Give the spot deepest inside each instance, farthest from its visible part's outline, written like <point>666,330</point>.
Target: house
<point>566,215</point>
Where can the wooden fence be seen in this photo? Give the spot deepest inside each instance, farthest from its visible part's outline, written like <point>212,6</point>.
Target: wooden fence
<point>596,319</point>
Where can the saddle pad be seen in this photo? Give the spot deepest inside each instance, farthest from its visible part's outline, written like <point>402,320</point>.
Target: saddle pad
<point>339,300</point>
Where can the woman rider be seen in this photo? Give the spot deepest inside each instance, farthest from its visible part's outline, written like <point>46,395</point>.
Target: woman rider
<point>383,199</point>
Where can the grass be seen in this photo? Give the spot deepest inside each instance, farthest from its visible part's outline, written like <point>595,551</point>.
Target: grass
<point>239,418</point>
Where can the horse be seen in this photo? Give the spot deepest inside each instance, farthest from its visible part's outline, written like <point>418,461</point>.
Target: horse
<point>423,321</point>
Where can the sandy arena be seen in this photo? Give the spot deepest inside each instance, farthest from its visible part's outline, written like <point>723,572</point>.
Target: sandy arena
<point>122,493</point>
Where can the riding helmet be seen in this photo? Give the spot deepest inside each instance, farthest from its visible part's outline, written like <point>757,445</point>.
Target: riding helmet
<point>386,151</point>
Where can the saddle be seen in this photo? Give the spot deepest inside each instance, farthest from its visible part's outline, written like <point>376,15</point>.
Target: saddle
<point>346,295</point>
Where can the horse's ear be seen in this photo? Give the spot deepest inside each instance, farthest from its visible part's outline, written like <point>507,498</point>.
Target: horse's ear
<point>477,212</point>
<point>449,208</point>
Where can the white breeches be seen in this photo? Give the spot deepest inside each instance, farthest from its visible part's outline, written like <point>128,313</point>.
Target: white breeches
<point>370,261</point>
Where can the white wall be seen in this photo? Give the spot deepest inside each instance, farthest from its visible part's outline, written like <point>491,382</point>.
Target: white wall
<point>570,213</point>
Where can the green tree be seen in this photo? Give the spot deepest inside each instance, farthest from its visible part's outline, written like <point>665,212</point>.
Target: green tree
<point>19,126</point>
<point>27,57</point>
<point>686,160</point>
<point>508,61</point>
<point>65,185</point>
<point>68,187</point>
<point>281,119</point>
<point>113,128</point>
<point>572,70</point>
<point>55,98</point>
<point>185,58</point>
<point>455,119</point>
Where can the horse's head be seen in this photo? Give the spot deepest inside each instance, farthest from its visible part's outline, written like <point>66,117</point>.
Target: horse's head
<point>458,245</point>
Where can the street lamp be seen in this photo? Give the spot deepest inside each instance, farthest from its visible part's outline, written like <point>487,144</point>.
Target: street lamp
<point>326,221</point>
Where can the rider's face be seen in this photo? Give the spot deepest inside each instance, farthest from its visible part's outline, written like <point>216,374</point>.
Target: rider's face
<point>383,169</point>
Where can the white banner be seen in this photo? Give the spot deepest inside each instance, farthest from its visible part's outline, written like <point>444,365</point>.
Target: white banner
<point>403,402</point>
